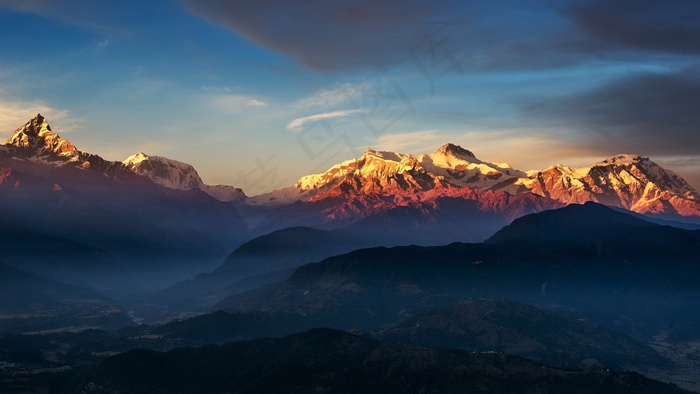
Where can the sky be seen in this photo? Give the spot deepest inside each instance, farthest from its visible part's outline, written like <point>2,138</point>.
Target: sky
<point>258,93</point>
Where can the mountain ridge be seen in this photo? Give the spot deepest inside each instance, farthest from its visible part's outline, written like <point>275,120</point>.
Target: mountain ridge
<point>628,181</point>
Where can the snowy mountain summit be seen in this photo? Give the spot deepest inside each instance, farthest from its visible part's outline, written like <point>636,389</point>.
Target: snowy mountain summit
<point>461,167</point>
<point>174,174</point>
<point>165,172</point>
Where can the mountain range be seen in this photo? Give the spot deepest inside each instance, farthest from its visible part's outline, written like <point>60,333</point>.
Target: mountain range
<point>628,181</point>
<point>147,234</point>
<point>150,221</point>
<point>378,182</point>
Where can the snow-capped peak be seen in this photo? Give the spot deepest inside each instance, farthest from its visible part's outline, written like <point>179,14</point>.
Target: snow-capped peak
<point>461,167</point>
<point>372,164</point>
<point>457,151</point>
<point>137,158</point>
<point>165,172</point>
<point>174,174</point>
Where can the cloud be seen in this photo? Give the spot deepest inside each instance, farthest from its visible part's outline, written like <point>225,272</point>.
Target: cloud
<point>415,142</point>
<point>230,102</point>
<point>340,93</point>
<point>101,45</point>
<point>14,114</point>
<point>664,26</point>
<point>505,34</point>
<point>342,34</point>
<point>217,89</point>
<point>256,103</point>
<point>298,124</point>
<point>649,114</point>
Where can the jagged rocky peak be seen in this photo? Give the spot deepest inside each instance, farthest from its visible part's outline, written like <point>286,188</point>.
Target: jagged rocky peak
<point>37,137</point>
<point>34,128</point>
<point>455,150</point>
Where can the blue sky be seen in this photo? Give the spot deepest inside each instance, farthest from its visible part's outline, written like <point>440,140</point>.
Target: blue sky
<point>258,93</point>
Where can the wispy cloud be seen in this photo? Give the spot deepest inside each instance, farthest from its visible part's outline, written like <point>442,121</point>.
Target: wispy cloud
<point>101,45</point>
<point>218,89</point>
<point>413,142</point>
<point>233,102</point>
<point>340,93</point>
<point>256,103</point>
<point>298,123</point>
<point>14,114</point>
<point>228,99</point>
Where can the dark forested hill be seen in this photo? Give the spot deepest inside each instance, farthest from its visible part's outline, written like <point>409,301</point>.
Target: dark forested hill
<point>324,360</point>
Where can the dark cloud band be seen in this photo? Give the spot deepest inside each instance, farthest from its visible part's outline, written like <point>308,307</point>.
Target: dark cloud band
<point>651,113</point>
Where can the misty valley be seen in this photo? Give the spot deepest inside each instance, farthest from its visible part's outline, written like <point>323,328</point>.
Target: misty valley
<point>389,272</point>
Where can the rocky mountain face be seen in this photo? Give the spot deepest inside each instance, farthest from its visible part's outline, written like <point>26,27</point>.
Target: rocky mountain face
<point>627,181</point>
